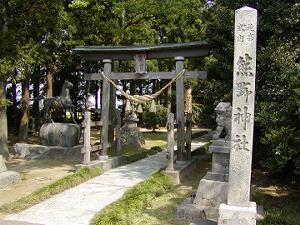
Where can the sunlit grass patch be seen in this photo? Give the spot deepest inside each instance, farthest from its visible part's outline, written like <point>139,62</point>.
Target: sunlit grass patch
<point>134,201</point>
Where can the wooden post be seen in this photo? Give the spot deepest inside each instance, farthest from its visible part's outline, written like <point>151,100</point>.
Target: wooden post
<point>180,110</point>
<point>105,110</point>
<point>86,138</point>
<point>189,136</point>
<point>170,128</point>
<point>118,132</point>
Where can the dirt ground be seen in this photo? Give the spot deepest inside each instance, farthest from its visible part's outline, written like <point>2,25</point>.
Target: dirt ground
<point>36,174</point>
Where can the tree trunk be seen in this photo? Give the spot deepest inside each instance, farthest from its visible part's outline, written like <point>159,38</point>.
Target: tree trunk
<point>36,93</point>
<point>36,102</point>
<point>14,96</point>
<point>15,110</point>
<point>50,77</point>
<point>3,122</point>
<point>23,129</point>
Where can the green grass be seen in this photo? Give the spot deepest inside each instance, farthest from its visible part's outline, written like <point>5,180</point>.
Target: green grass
<point>152,202</point>
<point>153,139</point>
<point>279,210</point>
<point>56,187</point>
<point>134,201</point>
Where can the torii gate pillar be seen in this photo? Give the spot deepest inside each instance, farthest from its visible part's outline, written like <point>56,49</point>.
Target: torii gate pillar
<point>180,110</point>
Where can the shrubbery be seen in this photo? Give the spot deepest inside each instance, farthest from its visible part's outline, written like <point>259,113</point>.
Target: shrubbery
<point>151,120</point>
<point>277,122</point>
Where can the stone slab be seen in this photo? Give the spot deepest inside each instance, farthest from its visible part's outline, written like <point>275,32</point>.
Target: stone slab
<point>188,210</point>
<point>183,168</point>
<point>219,149</point>
<point>10,222</point>
<point>78,205</point>
<point>41,152</point>
<point>216,176</point>
<point>8,178</point>
<point>2,165</point>
<point>210,194</point>
<point>199,221</point>
<point>221,142</point>
<point>237,215</point>
<point>107,164</point>
<point>220,163</point>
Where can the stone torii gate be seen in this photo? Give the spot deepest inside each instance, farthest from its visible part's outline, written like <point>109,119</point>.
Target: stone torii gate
<point>107,54</point>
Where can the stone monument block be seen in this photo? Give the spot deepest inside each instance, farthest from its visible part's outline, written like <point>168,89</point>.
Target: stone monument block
<point>2,165</point>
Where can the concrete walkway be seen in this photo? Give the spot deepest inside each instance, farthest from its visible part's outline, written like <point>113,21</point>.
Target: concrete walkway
<point>78,205</point>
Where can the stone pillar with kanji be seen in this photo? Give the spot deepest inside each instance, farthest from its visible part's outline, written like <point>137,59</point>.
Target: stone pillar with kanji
<point>239,209</point>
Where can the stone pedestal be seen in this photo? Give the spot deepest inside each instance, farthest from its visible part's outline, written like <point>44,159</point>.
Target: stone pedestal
<point>130,132</point>
<point>237,215</point>
<point>60,134</point>
<point>213,188</point>
<point>220,150</point>
<point>7,178</point>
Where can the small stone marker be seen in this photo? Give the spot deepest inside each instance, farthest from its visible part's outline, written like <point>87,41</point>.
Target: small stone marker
<point>86,138</point>
<point>7,178</point>
<point>2,165</point>
<point>239,209</point>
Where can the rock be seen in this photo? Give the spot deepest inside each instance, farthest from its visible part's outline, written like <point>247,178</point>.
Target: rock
<point>60,134</point>
<point>8,178</point>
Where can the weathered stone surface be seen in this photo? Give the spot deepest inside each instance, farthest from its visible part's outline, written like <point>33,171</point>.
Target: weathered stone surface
<point>211,194</point>
<point>200,221</point>
<point>188,210</point>
<point>236,215</point>
<point>41,152</point>
<point>23,150</point>
<point>10,222</point>
<point>132,136</point>
<point>242,107</point>
<point>216,176</point>
<point>2,165</point>
<point>220,163</point>
<point>60,134</point>
<point>8,178</point>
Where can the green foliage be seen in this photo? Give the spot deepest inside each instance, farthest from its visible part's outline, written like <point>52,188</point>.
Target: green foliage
<point>58,186</point>
<point>155,120</point>
<point>207,94</point>
<point>134,201</point>
<point>277,81</point>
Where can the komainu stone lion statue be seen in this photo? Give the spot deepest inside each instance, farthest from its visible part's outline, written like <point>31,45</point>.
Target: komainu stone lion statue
<point>223,111</point>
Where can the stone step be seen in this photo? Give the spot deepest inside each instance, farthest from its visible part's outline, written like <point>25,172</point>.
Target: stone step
<point>199,221</point>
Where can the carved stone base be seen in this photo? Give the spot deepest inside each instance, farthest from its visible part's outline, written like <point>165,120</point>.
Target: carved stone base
<point>209,196</point>
<point>132,136</point>
<point>235,215</point>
